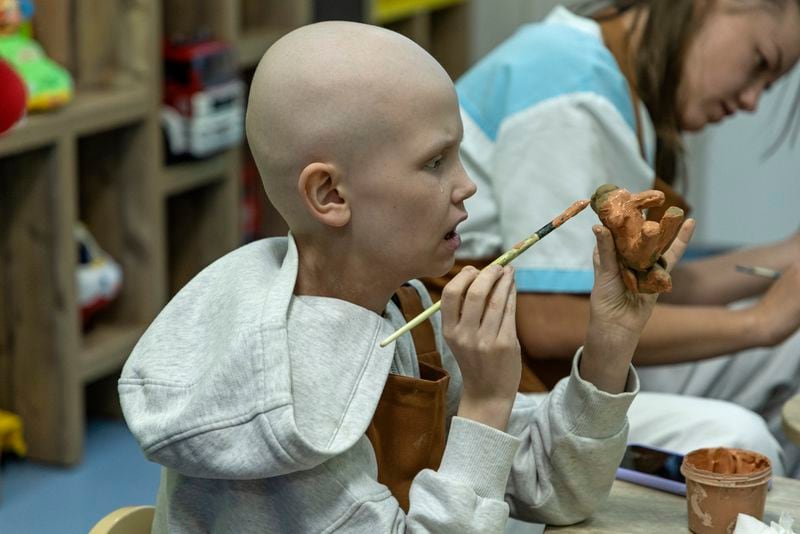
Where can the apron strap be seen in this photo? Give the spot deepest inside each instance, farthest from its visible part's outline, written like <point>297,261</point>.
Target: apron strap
<point>423,335</point>
<point>618,43</point>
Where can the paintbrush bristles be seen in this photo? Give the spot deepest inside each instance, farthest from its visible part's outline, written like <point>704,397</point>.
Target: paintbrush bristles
<point>503,260</point>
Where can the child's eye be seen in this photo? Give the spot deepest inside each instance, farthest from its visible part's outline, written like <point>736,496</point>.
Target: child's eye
<point>435,163</point>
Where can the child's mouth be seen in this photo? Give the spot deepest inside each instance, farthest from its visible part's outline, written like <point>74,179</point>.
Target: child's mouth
<point>452,239</point>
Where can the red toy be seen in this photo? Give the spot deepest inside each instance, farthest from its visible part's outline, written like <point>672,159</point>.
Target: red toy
<point>203,108</point>
<point>12,95</point>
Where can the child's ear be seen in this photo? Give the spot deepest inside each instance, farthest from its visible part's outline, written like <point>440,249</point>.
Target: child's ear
<point>320,188</point>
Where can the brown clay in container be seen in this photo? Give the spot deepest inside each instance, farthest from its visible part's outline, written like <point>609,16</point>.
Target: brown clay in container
<point>721,483</point>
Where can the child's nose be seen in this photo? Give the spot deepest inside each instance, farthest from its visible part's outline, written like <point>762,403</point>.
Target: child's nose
<point>465,187</point>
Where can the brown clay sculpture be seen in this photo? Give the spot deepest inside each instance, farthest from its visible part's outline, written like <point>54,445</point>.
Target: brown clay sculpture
<point>640,243</point>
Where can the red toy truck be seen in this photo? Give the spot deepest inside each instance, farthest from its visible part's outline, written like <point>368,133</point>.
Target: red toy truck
<point>203,109</point>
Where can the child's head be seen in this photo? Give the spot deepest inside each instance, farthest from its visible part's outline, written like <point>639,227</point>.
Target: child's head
<point>355,131</point>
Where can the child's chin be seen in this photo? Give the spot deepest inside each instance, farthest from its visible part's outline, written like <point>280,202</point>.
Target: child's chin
<point>442,269</point>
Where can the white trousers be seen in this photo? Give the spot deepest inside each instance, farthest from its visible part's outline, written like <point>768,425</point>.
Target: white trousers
<point>761,380</point>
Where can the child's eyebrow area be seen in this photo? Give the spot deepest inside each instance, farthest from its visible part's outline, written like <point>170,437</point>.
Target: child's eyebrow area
<point>440,145</point>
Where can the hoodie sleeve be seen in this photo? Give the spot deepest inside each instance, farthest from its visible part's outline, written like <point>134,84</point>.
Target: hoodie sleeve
<point>465,495</point>
<point>572,443</point>
<point>561,453</point>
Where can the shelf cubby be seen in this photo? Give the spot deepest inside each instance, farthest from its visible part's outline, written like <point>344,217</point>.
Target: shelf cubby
<point>118,205</point>
<point>262,22</point>
<point>386,12</point>
<point>105,347</point>
<point>181,177</point>
<point>202,225</point>
<point>38,321</point>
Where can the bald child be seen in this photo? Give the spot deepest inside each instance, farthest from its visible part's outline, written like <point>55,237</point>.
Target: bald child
<point>262,388</point>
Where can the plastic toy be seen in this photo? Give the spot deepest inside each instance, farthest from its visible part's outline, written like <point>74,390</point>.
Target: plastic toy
<point>12,94</point>
<point>10,16</point>
<point>203,109</point>
<point>640,243</point>
<point>48,84</point>
<point>99,278</point>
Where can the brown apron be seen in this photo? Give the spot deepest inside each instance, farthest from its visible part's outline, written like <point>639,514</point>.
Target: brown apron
<point>407,431</point>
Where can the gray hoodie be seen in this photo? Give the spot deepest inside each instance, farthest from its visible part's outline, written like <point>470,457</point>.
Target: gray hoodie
<point>256,402</point>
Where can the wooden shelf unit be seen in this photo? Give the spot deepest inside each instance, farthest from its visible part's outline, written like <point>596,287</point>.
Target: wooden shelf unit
<point>91,161</point>
<point>442,27</point>
<point>389,11</point>
<point>182,177</point>
<point>99,160</point>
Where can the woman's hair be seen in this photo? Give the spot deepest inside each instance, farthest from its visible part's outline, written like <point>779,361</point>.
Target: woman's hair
<point>670,28</point>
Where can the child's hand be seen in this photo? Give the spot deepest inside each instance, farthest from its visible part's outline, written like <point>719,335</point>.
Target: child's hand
<point>617,315</point>
<point>612,303</point>
<point>479,323</point>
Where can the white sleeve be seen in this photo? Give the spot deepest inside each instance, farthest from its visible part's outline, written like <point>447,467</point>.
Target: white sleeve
<point>572,443</point>
<point>465,495</point>
<point>544,159</point>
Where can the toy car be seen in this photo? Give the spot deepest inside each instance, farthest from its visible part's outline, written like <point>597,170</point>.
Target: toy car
<point>203,108</point>
<point>99,278</point>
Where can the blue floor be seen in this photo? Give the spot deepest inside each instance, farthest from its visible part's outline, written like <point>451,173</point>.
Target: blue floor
<point>41,499</point>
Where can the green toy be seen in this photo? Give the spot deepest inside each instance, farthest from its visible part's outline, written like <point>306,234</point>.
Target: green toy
<point>49,85</point>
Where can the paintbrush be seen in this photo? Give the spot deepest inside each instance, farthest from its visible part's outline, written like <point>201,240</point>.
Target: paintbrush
<point>763,272</point>
<point>504,259</point>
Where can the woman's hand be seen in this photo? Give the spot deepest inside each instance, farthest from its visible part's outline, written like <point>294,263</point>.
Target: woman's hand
<point>479,324</point>
<point>776,316</point>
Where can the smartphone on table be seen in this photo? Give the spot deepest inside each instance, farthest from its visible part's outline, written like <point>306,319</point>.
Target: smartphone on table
<point>652,467</point>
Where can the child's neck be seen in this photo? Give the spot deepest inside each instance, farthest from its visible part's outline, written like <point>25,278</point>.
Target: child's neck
<point>319,275</point>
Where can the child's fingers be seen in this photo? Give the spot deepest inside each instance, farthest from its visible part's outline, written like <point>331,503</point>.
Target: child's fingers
<point>453,293</point>
<point>477,296</point>
<point>508,326</point>
<point>675,252</point>
<point>605,258</point>
<point>496,304</point>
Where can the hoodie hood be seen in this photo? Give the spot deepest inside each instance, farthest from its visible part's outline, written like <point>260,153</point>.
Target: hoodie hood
<point>239,378</point>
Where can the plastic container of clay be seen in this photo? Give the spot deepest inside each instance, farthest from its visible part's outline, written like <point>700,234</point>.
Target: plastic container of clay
<point>721,483</point>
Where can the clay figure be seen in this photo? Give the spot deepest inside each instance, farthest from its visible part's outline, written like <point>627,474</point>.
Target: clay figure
<point>640,243</point>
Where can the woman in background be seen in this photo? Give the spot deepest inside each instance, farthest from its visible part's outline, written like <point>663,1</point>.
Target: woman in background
<point>568,104</point>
